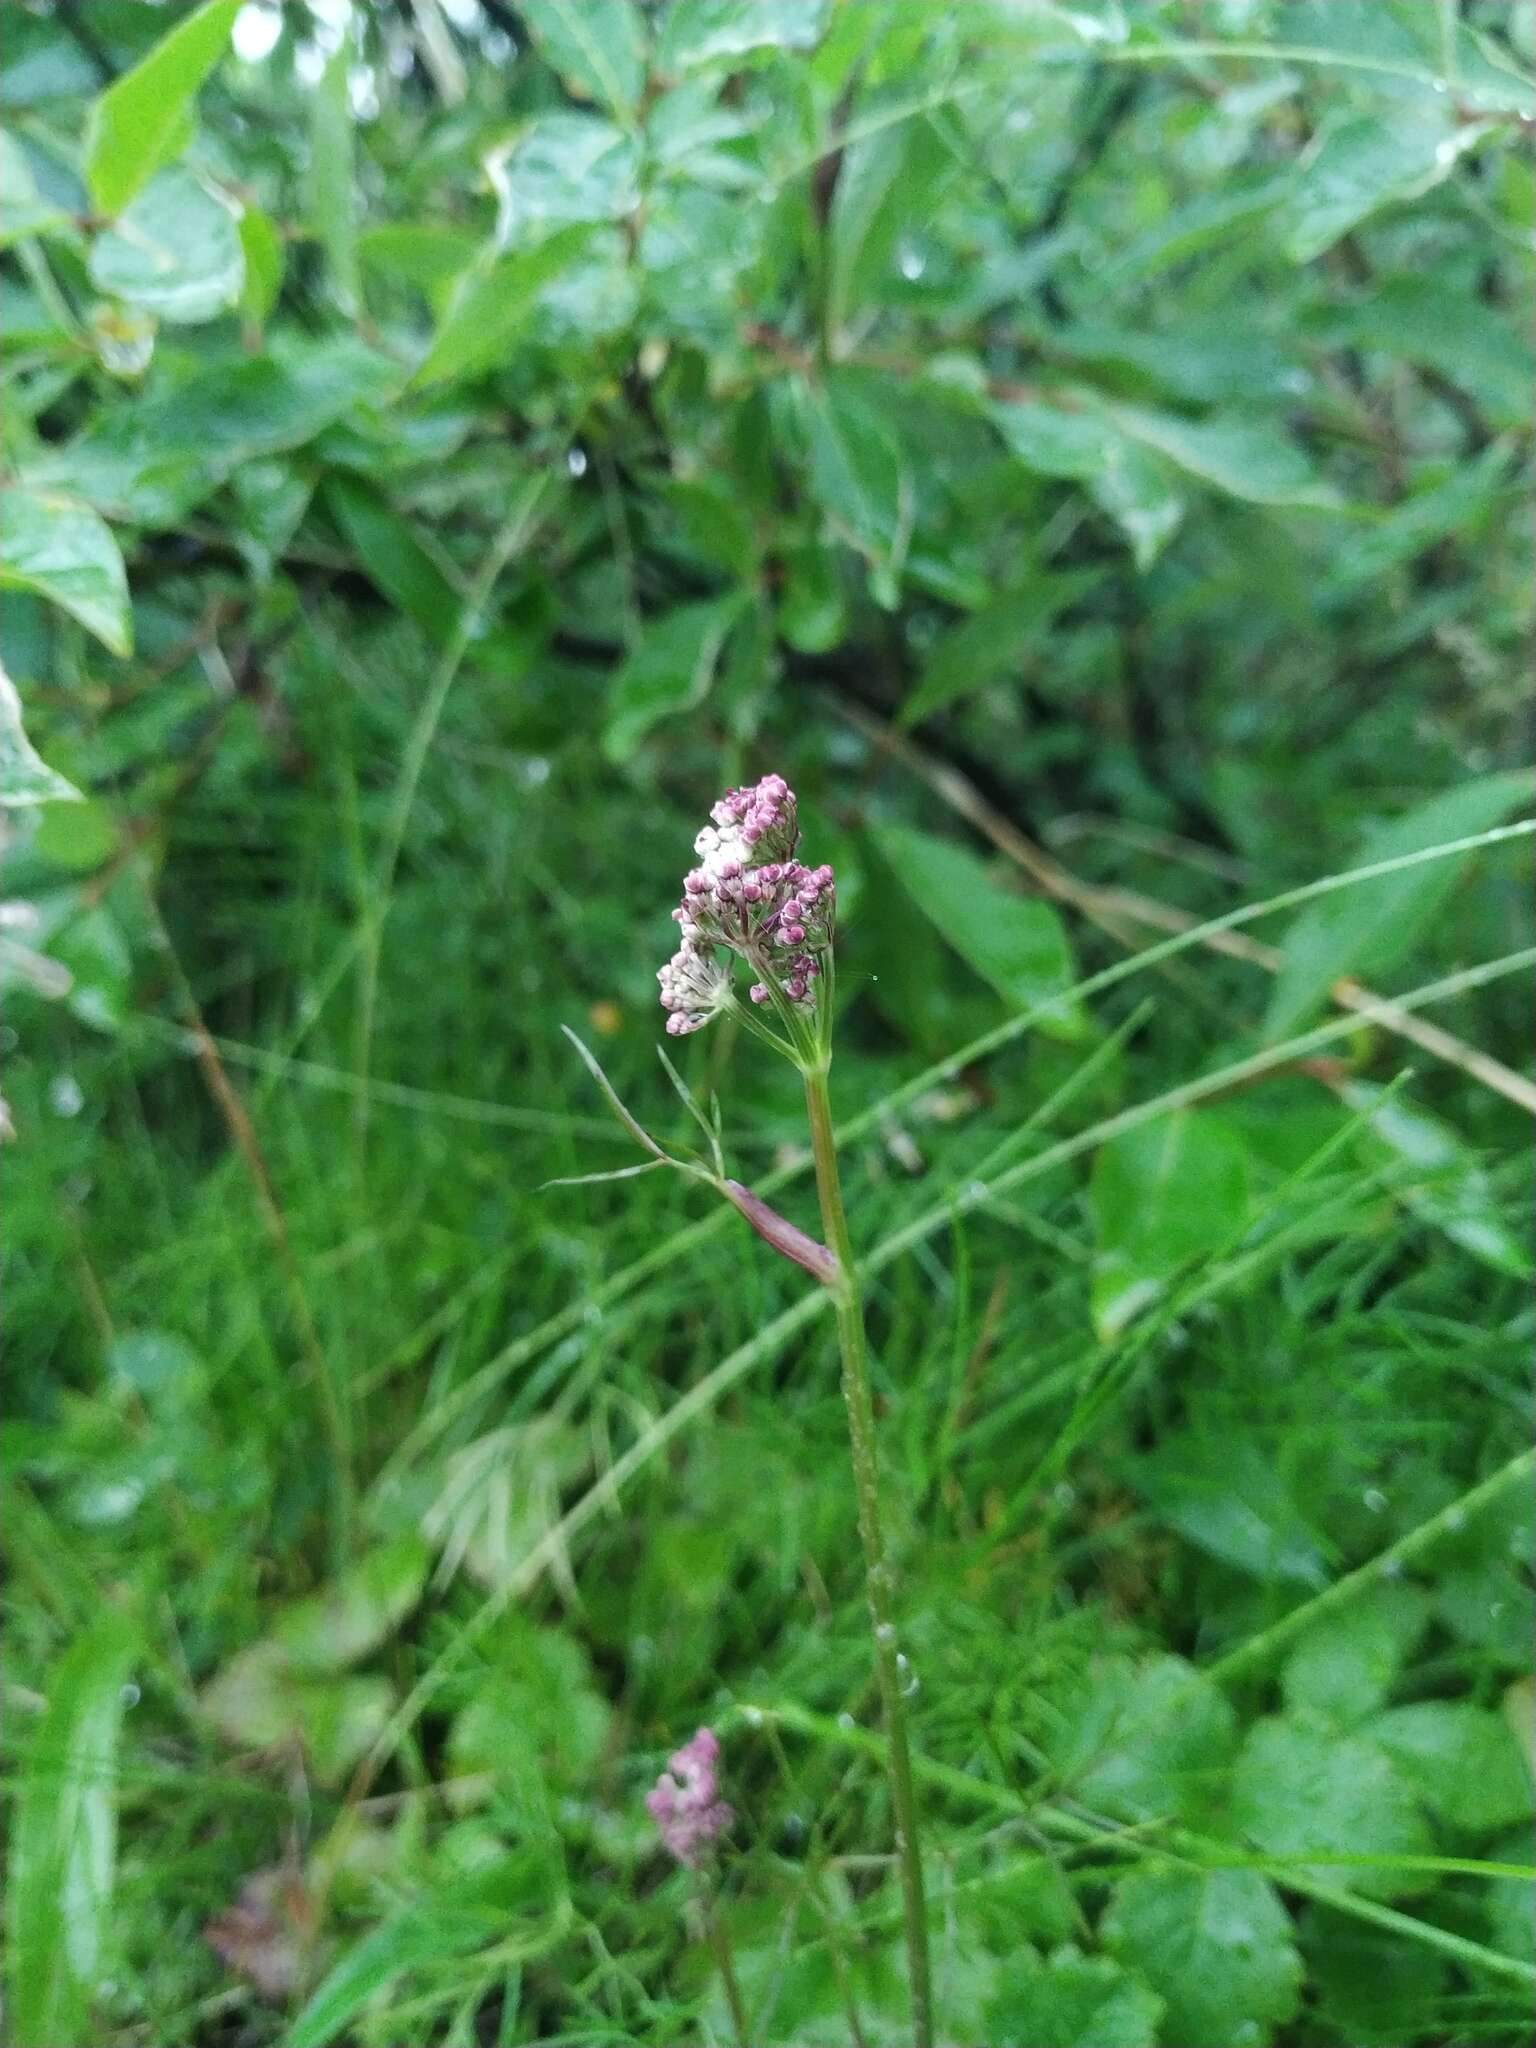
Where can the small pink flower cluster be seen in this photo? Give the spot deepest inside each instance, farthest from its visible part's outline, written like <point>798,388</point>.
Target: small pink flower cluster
<point>747,894</point>
<point>685,1803</point>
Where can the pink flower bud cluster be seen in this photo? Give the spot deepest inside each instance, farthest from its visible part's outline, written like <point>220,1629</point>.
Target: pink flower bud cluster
<point>684,1802</point>
<point>749,895</point>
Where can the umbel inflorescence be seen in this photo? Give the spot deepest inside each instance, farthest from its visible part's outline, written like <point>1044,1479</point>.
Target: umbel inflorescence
<point>750,896</point>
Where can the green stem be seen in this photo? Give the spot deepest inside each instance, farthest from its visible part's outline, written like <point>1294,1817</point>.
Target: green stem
<point>859,1400</point>
<point>720,1948</point>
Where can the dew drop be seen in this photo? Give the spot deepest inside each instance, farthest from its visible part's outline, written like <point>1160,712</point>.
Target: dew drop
<point>576,462</point>
<point>65,1095</point>
<point>1374,1499</point>
<point>846,1722</point>
<point>1455,1519</point>
<point>129,1694</point>
<point>910,1682</point>
<point>753,1716</point>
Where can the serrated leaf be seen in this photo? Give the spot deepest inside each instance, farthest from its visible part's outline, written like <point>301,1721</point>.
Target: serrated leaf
<point>24,778</point>
<point>1069,2000</point>
<point>176,251</point>
<point>598,51</point>
<point>63,1844</point>
<point>1142,1740</point>
<point>1018,944</point>
<point>1217,1947</point>
<point>1307,1791</point>
<point>143,119</point>
<point>1163,1196</point>
<point>670,671</point>
<point>1463,1760</point>
<point>66,552</point>
<point>1373,925</point>
<point>1347,1662</point>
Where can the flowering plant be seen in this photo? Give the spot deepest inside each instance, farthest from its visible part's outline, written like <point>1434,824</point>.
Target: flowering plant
<point>751,900</point>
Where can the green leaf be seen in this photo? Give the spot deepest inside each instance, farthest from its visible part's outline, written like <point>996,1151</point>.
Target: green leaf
<point>342,1623</point>
<point>695,33</point>
<point>1347,1662</point>
<point>1137,489</point>
<point>490,308</point>
<point>176,251</point>
<point>260,1701</point>
<point>64,1842</point>
<point>425,254</point>
<point>1362,930</point>
<point>449,1922</point>
<point>144,118</point>
<point>862,479</point>
<point>598,51</point>
<point>1302,1791</point>
<point>332,185</point>
<point>1142,1740</point>
<point>24,779</point>
<point>566,167</point>
<point>1230,1500</point>
<point>1070,2000</point>
<point>670,671</point>
<point>1360,163</point>
<point>1163,1196</point>
<point>1216,1945</point>
<point>262,248</point>
<point>1016,943</point>
<point>1241,456</point>
<point>1463,1760</point>
<point>1452,1192</point>
<point>993,644</point>
<point>66,552</point>
<point>1373,1986</point>
<point>23,211</point>
<point>1431,320</point>
<point>884,183</point>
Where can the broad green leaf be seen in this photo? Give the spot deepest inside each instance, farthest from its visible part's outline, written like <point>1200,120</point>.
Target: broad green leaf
<point>443,1924</point>
<point>863,481</point>
<point>1301,1791</point>
<point>64,1843</point>
<point>565,167</point>
<point>1163,1196</point>
<point>1142,1740</point>
<point>1463,1760</point>
<point>343,1622</point>
<point>425,254</point>
<point>1360,163</point>
<point>885,184</point>
<point>1069,2000</point>
<point>1016,943</point>
<point>598,51</point>
<point>992,645</point>
<point>175,252</point>
<point>1138,489</point>
<point>144,118</point>
<point>1231,1501</point>
<point>1217,1947</point>
<point>66,552</point>
<point>1451,1191</point>
<point>1240,456</point>
<point>1347,1662</point>
<point>695,33</point>
<point>1362,930</point>
<point>260,1701</point>
<point>23,211</point>
<point>670,671</point>
<point>489,309</point>
<point>1373,1986</point>
<point>24,779</point>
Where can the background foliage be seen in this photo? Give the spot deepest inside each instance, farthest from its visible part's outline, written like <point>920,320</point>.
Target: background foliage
<point>1082,447</point>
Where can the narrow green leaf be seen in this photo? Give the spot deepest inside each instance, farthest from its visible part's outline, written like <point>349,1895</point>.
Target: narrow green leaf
<point>670,671</point>
<point>1016,943</point>
<point>490,308</point>
<point>144,118</point>
<point>885,185</point>
<point>176,252</point>
<point>1361,931</point>
<point>262,248</point>
<point>1361,163</point>
<point>23,211</point>
<point>59,1887</point>
<point>599,51</point>
<point>993,644</point>
<point>332,181</point>
<point>863,481</point>
<point>66,552</point>
<point>1450,1189</point>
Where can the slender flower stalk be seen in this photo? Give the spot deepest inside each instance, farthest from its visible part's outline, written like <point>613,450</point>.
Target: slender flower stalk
<point>751,900</point>
<point>691,1817</point>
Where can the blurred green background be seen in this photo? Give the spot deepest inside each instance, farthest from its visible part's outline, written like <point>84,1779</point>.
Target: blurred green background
<point>1085,448</point>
